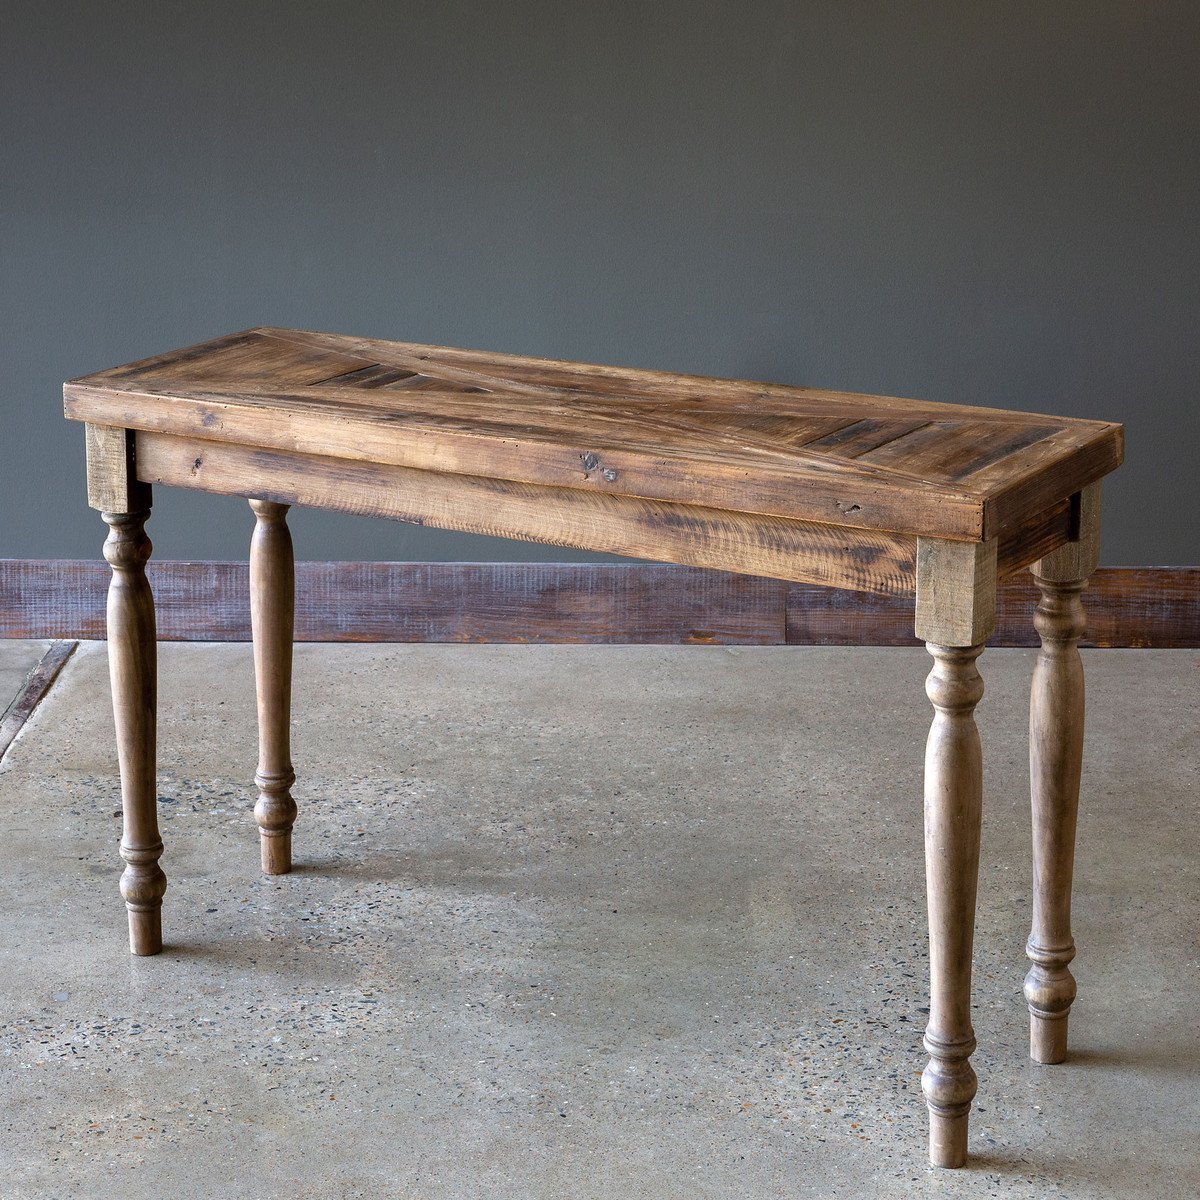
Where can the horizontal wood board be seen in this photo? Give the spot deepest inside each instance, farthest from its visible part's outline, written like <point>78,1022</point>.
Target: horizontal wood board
<point>568,603</point>
<point>688,535</point>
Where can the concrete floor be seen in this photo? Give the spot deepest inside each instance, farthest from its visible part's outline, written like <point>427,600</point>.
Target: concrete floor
<point>585,922</point>
<point>17,660</point>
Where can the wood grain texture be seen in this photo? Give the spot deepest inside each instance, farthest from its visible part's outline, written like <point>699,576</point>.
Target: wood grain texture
<point>272,608</point>
<point>133,673</point>
<point>1078,558</point>
<point>593,603</point>
<point>37,686</point>
<point>1056,719</point>
<point>863,560</point>
<point>870,462</point>
<point>112,482</point>
<point>887,497</point>
<point>1056,726</point>
<point>953,809</point>
<point>956,592</point>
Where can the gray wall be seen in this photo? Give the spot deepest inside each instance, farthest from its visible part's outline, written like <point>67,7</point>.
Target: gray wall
<point>988,203</point>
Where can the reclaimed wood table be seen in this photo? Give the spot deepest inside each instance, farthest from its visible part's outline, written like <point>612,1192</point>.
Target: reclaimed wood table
<point>873,493</point>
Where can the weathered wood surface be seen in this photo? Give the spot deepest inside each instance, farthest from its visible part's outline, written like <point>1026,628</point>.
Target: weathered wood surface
<point>892,498</point>
<point>612,603</point>
<point>1056,727</point>
<point>272,605</point>
<point>1056,712</point>
<point>870,462</point>
<point>953,813</point>
<point>807,551</point>
<point>112,482</point>
<point>955,613</point>
<point>133,667</point>
<point>956,592</point>
<point>41,680</point>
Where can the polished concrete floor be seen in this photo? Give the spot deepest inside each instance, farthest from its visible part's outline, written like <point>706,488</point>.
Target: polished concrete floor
<point>584,922</point>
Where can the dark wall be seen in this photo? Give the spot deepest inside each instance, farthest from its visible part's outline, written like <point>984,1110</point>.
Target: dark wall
<point>987,203</point>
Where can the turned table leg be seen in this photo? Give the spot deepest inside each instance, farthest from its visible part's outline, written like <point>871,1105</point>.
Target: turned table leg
<point>272,604</point>
<point>124,502</point>
<point>955,614</point>
<point>953,808</point>
<point>1055,762</point>
<point>132,664</point>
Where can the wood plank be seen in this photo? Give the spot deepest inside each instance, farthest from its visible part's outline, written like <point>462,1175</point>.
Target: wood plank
<point>417,602</point>
<point>368,425</point>
<point>592,603</point>
<point>555,375</point>
<point>1126,607</point>
<point>1048,531</point>
<point>1048,477</point>
<point>37,686</point>
<point>243,357</point>
<point>852,441</point>
<point>691,535</point>
<point>866,462</point>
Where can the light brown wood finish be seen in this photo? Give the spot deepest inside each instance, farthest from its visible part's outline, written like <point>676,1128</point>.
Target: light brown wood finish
<point>860,559</point>
<point>113,485</point>
<point>873,493</point>
<point>956,590</point>
<point>1056,721</point>
<point>133,671</point>
<point>919,469</point>
<point>272,607</point>
<point>779,548</point>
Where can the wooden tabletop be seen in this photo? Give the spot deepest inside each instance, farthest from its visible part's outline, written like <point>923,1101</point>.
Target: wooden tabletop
<point>910,467</point>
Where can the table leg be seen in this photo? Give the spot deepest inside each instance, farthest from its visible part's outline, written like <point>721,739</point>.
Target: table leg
<point>132,662</point>
<point>1056,710</point>
<point>1055,761</point>
<point>956,594</point>
<point>272,605</point>
<point>953,807</point>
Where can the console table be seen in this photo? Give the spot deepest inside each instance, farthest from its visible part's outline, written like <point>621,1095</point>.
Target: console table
<point>873,493</point>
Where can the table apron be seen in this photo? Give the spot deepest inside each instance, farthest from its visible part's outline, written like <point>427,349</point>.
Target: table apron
<point>777,547</point>
<point>756,544</point>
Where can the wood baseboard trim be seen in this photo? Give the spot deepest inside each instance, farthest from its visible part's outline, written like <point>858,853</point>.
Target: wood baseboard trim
<point>567,602</point>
